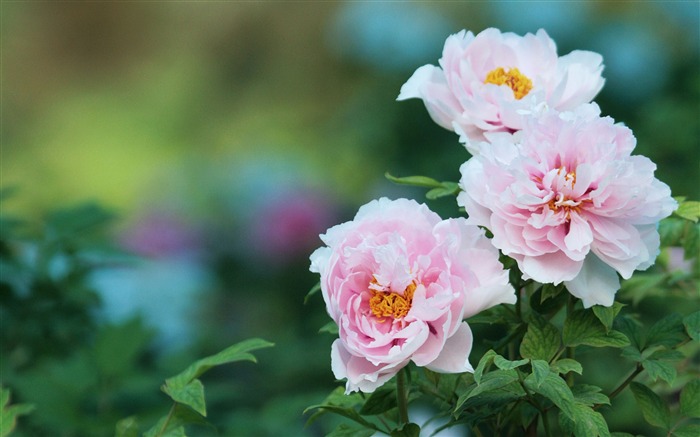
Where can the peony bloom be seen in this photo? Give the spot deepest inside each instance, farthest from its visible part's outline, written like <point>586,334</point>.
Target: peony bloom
<point>568,202</point>
<point>488,82</point>
<point>399,281</point>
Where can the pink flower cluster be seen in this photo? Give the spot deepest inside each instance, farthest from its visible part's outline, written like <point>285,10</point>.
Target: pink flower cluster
<point>399,281</point>
<point>553,181</point>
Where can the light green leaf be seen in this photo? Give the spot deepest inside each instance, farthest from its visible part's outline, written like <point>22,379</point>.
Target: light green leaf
<point>660,369</point>
<point>127,427</point>
<point>191,395</point>
<point>504,364</point>
<point>408,430</point>
<point>492,381</point>
<point>606,315</point>
<point>540,370</point>
<point>566,365</point>
<point>381,400</point>
<point>315,289</point>
<point>585,423</point>
<point>690,399</point>
<point>555,389</point>
<point>654,409</point>
<point>416,181</point>
<point>10,413</point>
<point>484,362</point>
<point>344,430</point>
<point>541,341</point>
<point>237,352</point>
<point>668,331</point>
<point>589,395</point>
<point>688,430</point>
<point>692,325</point>
<point>582,327</point>
<point>166,428</point>
<point>689,210</point>
<point>330,328</point>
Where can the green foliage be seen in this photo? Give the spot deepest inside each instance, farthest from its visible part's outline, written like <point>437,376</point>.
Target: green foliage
<point>437,189</point>
<point>10,413</point>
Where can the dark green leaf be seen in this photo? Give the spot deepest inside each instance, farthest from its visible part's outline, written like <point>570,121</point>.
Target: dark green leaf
<point>690,399</point>
<point>191,395</point>
<point>344,430</point>
<point>315,289</point>
<point>692,325</point>
<point>541,341</point>
<point>417,181</point>
<point>582,327</point>
<point>237,352</point>
<point>383,399</point>
<point>691,241</point>
<point>540,370</point>
<point>408,430</point>
<point>585,422</point>
<point>654,409</point>
<point>660,369</point>
<point>632,330</point>
<point>688,430</point>
<point>484,362</point>
<point>606,315</point>
<point>555,389</point>
<point>489,382</point>
<point>589,395</point>
<point>127,427</point>
<point>549,291</point>
<point>504,364</point>
<point>668,331</point>
<point>566,365</point>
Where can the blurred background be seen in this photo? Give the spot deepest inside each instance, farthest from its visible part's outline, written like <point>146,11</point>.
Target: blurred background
<point>220,139</point>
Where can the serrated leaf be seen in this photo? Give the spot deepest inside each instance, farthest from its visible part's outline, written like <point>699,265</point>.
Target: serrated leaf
<point>416,181</point>
<point>127,427</point>
<point>654,409</point>
<point>566,365</point>
<point>555,389</point>
<point>330,328</point>
<point>660,369</point>
<point>692,325</point>
<point>690,399</point>
<point>689,210</point>
<point>504,364</point>
<point>666,355</point>
<point>489,382</point>
<point>381,400</point>
<point>344,430</point>
<point>589,395</point>
<point>632,330</point>
<point>191,395</point>
<point>541,341</point>
<point>484,362</point>
<point>315,289</point>
<point>688,430</point>
<point>408,430</point>
<point>540,370</point>
<point>237,352</point>
<point>549,291</point>
<point>582,327</point>
<point>606,315</point>
<point>668,331</point>
<point>585,423</point>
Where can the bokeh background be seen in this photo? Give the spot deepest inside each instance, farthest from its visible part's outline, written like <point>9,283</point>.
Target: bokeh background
<point>225,136</point>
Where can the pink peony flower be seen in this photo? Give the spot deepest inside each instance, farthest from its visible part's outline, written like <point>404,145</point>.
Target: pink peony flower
<point>488,82</point>
<point>399,281</point>
<point>568,202</point>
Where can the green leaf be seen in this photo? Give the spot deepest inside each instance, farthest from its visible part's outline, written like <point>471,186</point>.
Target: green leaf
<point>490,382</point>
<point>381,400</point>
<point>671,231</point>
<point>582,327</point>
<point>344,430</point>
<point>416,181</point>
<point>689,210</point>
<point>541,341</point>
<point>688,430</point>
<point>447,189</point>
<point>606,315</point>
<point>690,399</point>
<point>166,428</point>
<point>668,331</point>
<point>237,352</point>
<point>10,413</point>
<point>484,362</point>
<point>127,427</point>
<point>339,403</point>
<point>660,369</point>
<point>555,389</point>
<point>408,430</point>
<point>549,291</point>
<point>504,364</point>
<point>540,370</point>
<point>589,395</point>
<point>330,328</point>
<point>585,422</point>
<point>691,241</point>
<point>191,395</point>
<point>692,325</point>
<point>315,289</point>
<point>566,365</point>
<point>654,409</point>
<point>632,330</point>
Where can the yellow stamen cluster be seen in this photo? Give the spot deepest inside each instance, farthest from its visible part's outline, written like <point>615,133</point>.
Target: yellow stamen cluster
<point>518,82</point>
<point>389,304</point>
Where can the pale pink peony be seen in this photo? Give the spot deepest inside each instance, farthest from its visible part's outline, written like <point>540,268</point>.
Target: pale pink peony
<point>399,282</point>
<point>568,202</point>
<point>488,82</point>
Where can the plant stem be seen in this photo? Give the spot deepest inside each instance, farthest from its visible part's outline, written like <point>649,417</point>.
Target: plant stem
<point>402,397</point>
<point>167,420</point>
<point>624,384</point>
<point>570,350</point>
<point>545,422</point>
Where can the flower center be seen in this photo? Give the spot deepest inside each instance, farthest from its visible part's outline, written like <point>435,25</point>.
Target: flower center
<point>560,201</point>
<point>385,304</point>
<point>518,82</point>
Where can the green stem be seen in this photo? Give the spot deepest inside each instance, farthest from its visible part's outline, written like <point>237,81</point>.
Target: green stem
<point>545,422</point>
<point>639,369</point>
<point>167,420</point>
<point>570,302</point>
<point>402,397</point>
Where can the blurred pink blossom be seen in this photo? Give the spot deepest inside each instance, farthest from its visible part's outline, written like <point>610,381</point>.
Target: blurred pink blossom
<point>565,199</point>
<point>488,82</point>
<point>399,281</point>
